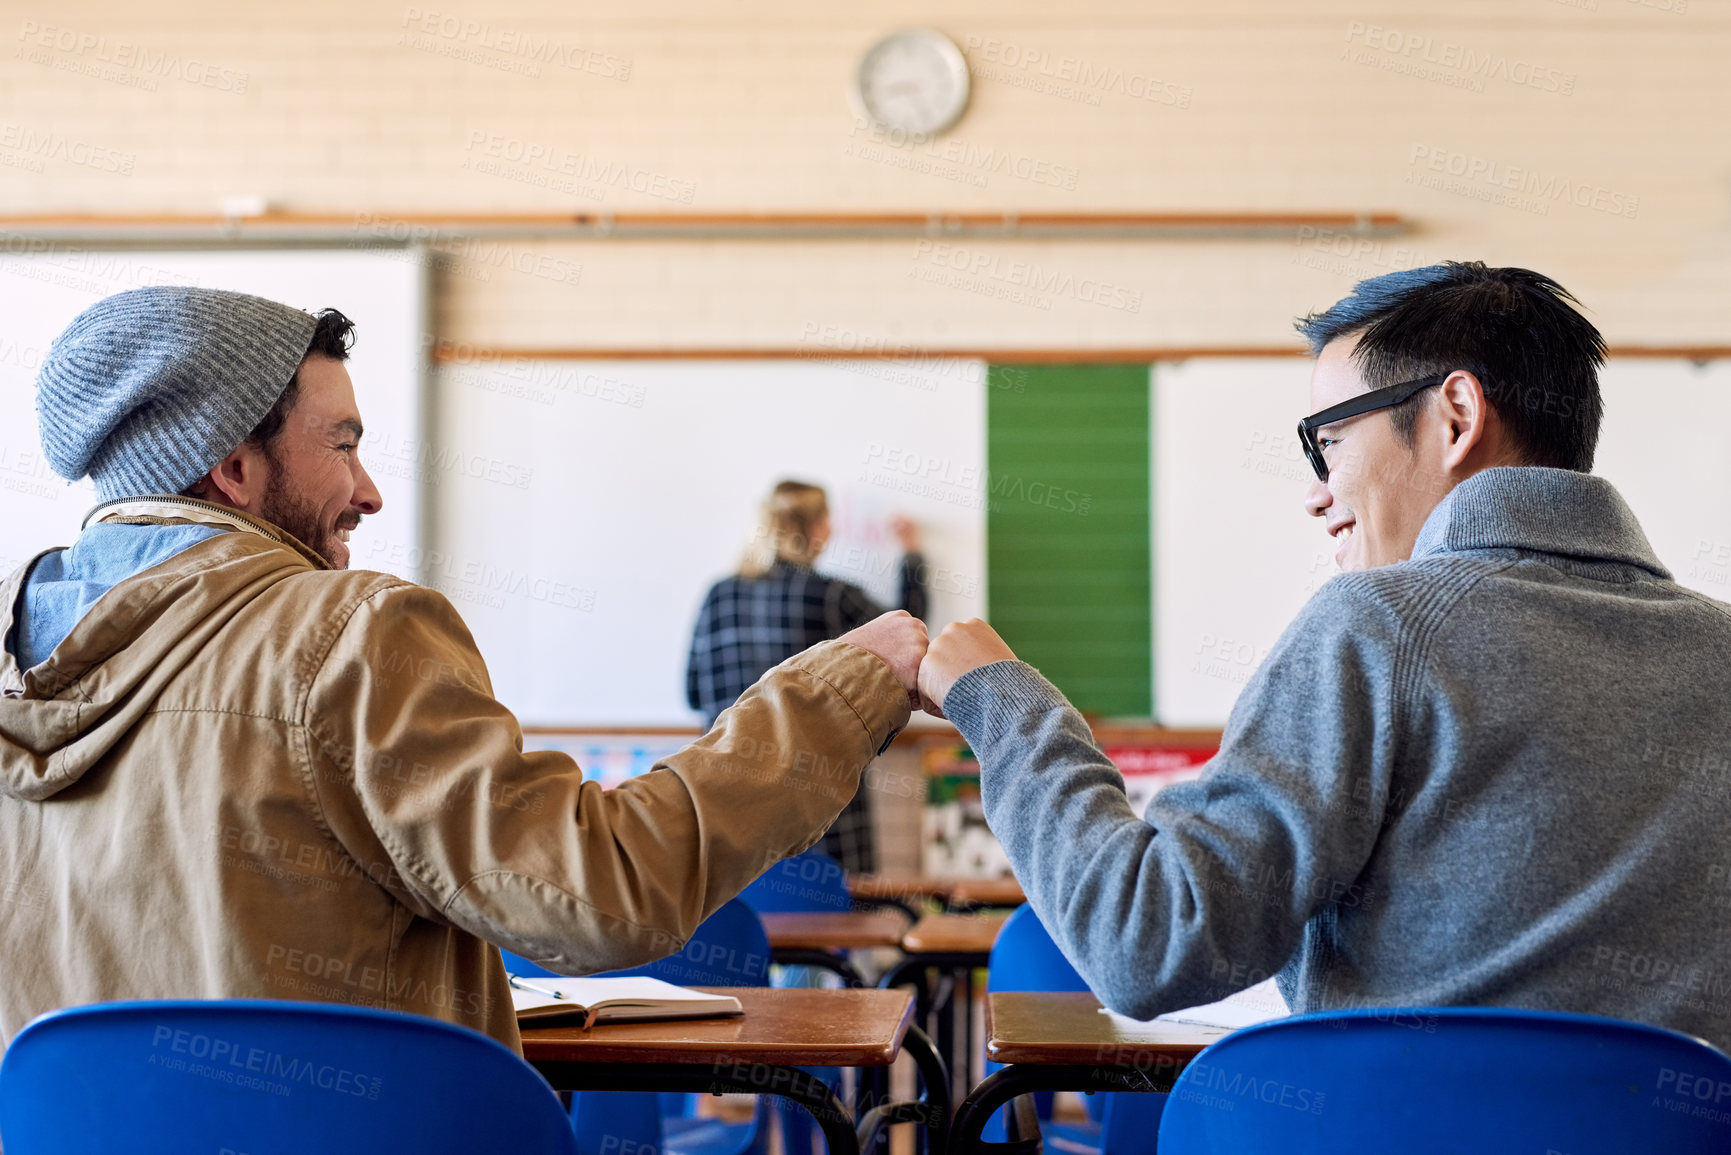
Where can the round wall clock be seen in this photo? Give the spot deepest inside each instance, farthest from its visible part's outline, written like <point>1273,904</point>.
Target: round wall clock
<point>913,81</point>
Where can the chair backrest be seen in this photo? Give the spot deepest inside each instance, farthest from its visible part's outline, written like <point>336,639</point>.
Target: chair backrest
<point>729,949</point>
<point>806,883</point>
<point>1433,1080</point>
<point>1024,958</point>
<point>259,1075</point>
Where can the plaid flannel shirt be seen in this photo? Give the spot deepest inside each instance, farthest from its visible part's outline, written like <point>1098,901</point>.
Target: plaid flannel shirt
<point>747,626</point>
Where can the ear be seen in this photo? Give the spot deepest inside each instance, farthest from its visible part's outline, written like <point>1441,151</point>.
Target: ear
<point>1466,418</point>
<point>238,480</point>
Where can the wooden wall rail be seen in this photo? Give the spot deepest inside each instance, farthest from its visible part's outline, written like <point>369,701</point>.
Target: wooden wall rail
<point>461,353</point>
<point>384,227</point>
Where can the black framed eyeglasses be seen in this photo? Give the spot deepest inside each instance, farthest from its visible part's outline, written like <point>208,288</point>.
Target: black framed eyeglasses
<point>1364,403</point>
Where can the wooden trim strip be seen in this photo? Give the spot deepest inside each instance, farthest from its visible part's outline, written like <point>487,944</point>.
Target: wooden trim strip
<point>767,221</point>
<point>449,352</point>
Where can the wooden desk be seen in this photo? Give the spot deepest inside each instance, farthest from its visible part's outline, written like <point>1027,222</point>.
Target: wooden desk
<point>759,1053</point>
<point>796,1027</point>
<point>1067,1028</point>
<point>987,892</point>
<point>903,889</point>
<point>835,930</point>
<point>1059,1041</point>
<point>954,934</point>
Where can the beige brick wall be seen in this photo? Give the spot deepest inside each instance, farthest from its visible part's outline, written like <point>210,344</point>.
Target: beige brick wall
<point>1260,105</point>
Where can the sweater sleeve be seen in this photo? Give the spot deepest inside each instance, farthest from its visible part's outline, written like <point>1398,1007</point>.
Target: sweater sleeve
<point>1210,891</point>
<point>517,848</point>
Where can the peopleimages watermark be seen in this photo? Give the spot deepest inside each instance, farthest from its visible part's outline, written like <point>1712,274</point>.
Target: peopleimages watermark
<point>36,147</point>
<point>560,169</point>
<point>120,61</point>
<point>506,49</point>
<point>1067,77</point>
<point>421,460</point>
<point>256,1068</point>
<point>890,359</point>
<point>944,479</point>
<point>467,255</point>
<point>481,582</point>
<point>1345,253</point>
<point>1530,189</point>
<point>1446,62</point>
<point>528,378</point>
<point>1671,7</point>
<point>952,157</point>
<point>95,271</point>
<point>1023,282</point>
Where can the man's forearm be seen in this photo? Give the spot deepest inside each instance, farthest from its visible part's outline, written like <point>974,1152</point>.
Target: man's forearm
<point>1142,914</point>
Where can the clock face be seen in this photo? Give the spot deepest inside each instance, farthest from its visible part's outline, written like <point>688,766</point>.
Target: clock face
<point>915,81</point>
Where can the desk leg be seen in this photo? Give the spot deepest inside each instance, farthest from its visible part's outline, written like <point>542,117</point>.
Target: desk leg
<point>932,1111</point>
<point>1024,1079</point>
<point>965,979</point>
<point>713,1079</point>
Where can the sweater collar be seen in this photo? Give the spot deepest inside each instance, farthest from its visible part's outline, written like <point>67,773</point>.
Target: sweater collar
<point>1554,511</point>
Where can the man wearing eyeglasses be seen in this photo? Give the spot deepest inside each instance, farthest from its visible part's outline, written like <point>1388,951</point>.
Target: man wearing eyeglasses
<point>1486,765</point>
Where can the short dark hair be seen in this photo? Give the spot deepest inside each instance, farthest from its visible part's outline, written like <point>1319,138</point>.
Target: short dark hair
<point>333,336</point>
<point>1517,331</point>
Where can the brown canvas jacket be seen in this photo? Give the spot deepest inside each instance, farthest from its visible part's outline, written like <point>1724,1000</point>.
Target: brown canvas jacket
<point>244,774</point>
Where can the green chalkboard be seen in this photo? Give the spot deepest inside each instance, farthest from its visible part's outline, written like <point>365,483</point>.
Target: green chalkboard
<point>1067,528</point>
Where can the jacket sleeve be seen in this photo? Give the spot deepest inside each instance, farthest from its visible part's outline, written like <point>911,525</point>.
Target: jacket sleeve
<point>1210,892</point>
<point>421,764</point>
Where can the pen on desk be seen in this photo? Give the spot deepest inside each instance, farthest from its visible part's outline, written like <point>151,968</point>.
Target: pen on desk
<point>523,984</point>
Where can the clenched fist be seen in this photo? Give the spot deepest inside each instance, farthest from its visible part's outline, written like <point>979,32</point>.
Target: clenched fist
<point>963,646</point>
<point>900,640</point>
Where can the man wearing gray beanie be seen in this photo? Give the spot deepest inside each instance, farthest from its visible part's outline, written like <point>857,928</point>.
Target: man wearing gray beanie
<point>231,768</point>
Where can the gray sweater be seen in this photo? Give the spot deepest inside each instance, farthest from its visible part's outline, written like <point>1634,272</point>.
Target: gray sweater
<point>1496,774</point>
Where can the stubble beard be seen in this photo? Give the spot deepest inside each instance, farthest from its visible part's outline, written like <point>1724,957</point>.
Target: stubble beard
<point>290,510</point>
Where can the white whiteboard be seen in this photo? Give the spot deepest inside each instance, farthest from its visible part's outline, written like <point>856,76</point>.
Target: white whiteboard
<point>381,291</point>
<point>582,509</point>
<point>1666,449</point>
<point>1235,556</point>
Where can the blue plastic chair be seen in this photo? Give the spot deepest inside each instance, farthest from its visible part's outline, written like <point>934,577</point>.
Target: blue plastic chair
<point>730,949</point>
<point>254,1075</point>
<point>807,882</point>
<point>810,882</point>
<point>1428,1081</point>
<point>1024,958</point>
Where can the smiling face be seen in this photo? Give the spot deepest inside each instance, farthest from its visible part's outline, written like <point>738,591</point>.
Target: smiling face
<point>1379,490</point>
<point>317,489</point>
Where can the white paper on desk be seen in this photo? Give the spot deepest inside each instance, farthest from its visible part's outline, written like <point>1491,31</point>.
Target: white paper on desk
<point>1258,1004</point>
<point>619,999</point>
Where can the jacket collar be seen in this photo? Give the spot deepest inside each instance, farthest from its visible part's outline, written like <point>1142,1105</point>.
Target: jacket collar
<point>1554,511</point>
<point>162,507</point>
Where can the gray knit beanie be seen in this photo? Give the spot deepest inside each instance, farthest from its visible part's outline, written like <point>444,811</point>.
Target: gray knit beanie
<point>147,390</point>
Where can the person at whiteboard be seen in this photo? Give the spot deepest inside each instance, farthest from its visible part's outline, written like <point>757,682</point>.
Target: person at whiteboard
<point>775,606</point>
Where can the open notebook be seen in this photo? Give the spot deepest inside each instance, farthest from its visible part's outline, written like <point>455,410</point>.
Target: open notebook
<point>547,1001</point>
<point>1258,1004</point>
